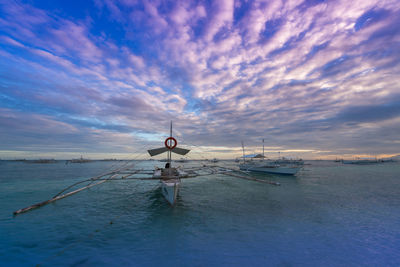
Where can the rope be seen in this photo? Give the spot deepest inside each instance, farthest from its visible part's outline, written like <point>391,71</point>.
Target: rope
<point>190,144</point>
<point>96,178</point>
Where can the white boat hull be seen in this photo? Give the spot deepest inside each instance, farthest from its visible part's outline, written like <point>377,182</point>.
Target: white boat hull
<point>285,170</point>
<point>170,182</point>
<point>170,189</point>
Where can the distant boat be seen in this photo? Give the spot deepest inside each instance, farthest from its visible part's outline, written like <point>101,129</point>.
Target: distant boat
<point>81,160</point>
<point>181,160</point>
<point>18,160</point>
<point>42,161</point>
<point>386,160</point>
<point>361,161</point>
<point>214,160</point>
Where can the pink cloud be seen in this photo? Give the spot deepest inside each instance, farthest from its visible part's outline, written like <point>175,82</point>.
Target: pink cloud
<point>74,37</point>
<point>11,41</point>
<point>33,123</point>
<point>222,16</point>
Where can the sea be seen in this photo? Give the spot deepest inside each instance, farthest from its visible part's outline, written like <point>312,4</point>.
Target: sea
<point>329,214</point>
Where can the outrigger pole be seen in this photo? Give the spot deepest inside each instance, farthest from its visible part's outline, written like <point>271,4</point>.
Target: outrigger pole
<point>111,176</point>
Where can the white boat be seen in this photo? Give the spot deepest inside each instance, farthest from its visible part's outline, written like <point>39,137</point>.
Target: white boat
<point>257,163</point>
<point>269,167</point>
<point>170,177</point>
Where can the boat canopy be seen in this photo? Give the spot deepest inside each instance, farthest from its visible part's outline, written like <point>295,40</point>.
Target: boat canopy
<point>177,150</point>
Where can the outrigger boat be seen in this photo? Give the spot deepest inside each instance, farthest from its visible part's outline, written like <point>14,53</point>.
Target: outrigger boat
<point>169,176</point>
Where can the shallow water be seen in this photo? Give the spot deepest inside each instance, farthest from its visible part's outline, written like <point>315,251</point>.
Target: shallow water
<point>329,215</point>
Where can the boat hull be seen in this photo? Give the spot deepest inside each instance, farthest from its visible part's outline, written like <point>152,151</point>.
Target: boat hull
<point>284,170</point>
<point>170,189</point>
<point>170,182</point>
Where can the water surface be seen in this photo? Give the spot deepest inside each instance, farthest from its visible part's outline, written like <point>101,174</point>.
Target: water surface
<point>329,215</point>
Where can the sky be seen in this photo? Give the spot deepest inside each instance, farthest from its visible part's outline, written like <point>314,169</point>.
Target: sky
<point>104,78</point>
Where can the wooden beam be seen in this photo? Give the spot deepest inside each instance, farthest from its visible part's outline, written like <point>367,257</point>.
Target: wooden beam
<point>41,204</point>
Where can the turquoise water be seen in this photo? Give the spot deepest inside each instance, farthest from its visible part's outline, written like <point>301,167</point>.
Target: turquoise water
<point>329,215</point>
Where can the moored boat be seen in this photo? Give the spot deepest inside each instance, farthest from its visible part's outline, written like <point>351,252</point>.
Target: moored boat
<point>361,161</point>
<point>269,167</point>
<point>169,176</point>
<point>257,163</point>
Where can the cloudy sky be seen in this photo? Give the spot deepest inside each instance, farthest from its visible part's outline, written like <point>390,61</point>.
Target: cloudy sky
<point>103,78</point>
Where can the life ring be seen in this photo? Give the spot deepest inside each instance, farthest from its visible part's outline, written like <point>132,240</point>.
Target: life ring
<point>170,146</point>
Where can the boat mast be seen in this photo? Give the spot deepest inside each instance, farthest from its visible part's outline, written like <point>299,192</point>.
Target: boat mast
<point>169,151</point>
<point>263,149</point>
<point>243,152</point>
